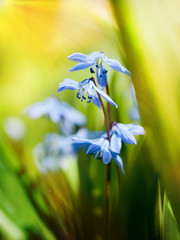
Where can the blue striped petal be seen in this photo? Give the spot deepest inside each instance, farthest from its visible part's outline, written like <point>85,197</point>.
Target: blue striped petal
<point>101,74</point>
<point>135,129</point>
<point>81,66</point>
<point>126,136</point>
<point>106,156</point>
<point>115,143</point>
<point>77,57</point>
<point>68,84</point>
<point>93,149</point>
<point>94,56</point>
<point>95,101</point>
<point>118,160</point>
<point>105,96</point>
<point>116,66</point>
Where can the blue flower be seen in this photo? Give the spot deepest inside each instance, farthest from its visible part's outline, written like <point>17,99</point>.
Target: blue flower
<point>57,151</point>
<point>54,152</point>
<point>100,147</point>
<point>124,133</point>
<point>86,86</point>
<point>59,112</point>
<point>98,60</point>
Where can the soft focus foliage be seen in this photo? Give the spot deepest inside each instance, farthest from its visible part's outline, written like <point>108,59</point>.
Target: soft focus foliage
<point>35,39</point>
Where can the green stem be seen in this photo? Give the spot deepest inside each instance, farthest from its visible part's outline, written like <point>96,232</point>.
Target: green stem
<point>105,117</point>
<point>107,123</point>
<point>104,112</point>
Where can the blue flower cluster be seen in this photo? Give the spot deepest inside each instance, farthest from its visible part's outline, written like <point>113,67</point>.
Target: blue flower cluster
<point>54,151</point>
<point>106,150</point>
<point>108,145</point>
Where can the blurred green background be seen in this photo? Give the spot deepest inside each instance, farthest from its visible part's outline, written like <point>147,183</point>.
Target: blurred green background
<point>35,39</point>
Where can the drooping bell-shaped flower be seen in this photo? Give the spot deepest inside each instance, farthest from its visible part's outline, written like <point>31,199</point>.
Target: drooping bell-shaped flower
<point>86,87</point>
<point>100,147</point>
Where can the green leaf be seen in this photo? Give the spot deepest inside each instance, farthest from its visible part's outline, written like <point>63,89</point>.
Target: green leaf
<point>170,229</point>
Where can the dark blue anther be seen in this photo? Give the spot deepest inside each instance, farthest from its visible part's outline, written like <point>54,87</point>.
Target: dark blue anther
<point>77,95</point>
<point>84,97</point>
<point>91,70</point>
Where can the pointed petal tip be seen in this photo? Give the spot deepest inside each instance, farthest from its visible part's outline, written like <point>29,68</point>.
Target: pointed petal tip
<point>106,163</point>
<point>58,90</point>
<point>128,73</point>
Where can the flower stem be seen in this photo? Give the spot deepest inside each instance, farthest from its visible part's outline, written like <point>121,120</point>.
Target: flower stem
<point>109,105</point>
<point>107,176</point>
<point>104,112</point>
<point>107,123</point>
<point>105,117</point>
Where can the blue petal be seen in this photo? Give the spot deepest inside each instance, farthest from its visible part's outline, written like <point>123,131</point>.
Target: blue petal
<point>93,149</point>
<point>116,66</point>
<point>77,57</point>
<point>55,116</point>
<point>81,66</point>
<point>49,106</point>
<point>126,136</point>
<point>106,156</point>
<point>94,56</point>
<point>96,101</point>
<point>135,129</point>
<point>83,141</point>
<point>105,96</point>
<point>118,160</point>
<point>115,143</point>
<point>68,84</point>
<point>101,75</point>
<point>84,133</point>
<point>36,110</point>
<point>67,127</point>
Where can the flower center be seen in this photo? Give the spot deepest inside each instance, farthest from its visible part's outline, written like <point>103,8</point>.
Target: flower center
<point>81,95</point>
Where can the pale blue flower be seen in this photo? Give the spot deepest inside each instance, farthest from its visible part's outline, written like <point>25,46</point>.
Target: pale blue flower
<point>56,150</point>
<point>53,152</point>
<point>100,147</point>
<point>59,112</point>
<point>88,87</point>
<point>94,58</point>
<point>124,133</point>
<point>98,60</point>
